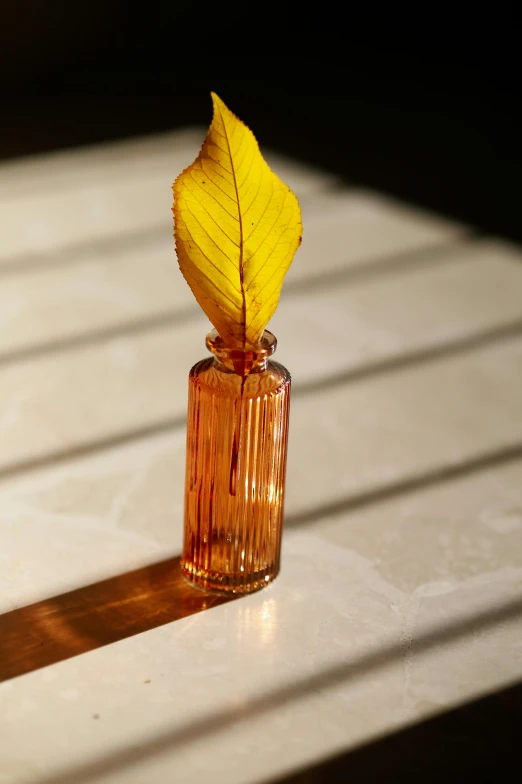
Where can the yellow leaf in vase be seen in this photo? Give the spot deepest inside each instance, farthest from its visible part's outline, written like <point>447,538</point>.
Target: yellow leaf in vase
<point>237,227</point>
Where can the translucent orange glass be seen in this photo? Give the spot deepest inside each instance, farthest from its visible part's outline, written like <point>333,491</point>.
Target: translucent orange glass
<point>236,461</point>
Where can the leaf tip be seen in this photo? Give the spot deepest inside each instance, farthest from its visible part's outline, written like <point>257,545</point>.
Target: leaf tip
<point>217,103</point>
<point>221,109</point>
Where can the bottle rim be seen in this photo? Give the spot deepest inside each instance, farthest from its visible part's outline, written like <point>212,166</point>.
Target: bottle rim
<point>242,359</point>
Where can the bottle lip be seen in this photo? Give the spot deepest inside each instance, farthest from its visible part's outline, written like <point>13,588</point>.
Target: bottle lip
<point>242,360</point>
<point>262,350</point>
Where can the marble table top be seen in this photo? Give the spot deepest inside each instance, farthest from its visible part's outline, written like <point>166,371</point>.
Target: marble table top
<point>400,595</point>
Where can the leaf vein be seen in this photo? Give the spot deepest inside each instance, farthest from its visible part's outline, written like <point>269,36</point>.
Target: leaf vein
<point>212,284</point>
<point>215,160</point>
<point>274,292</point>
<point>214,242</point>
<point>241,238</point>
<point>204,254</point>
<point>213,219</point>
<point>225,152</point>
<point>219,187</point>
<point>255,197</point>
<point>248,172</point>
<point>276,246</point>
<point>270,229</point>
<point>207,193</point>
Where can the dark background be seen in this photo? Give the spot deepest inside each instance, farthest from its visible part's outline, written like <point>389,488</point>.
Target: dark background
<point>424,107</point>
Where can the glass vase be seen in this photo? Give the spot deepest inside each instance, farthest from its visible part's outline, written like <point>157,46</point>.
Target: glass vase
<point>237,431</point>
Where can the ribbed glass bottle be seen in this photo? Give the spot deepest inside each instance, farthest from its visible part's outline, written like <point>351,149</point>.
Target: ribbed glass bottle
<point>236,461</point>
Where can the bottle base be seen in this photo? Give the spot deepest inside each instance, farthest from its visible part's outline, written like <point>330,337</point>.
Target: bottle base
<point>217,582</point>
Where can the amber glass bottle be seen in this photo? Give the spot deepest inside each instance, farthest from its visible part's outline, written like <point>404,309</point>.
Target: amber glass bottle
<point>236,460</point>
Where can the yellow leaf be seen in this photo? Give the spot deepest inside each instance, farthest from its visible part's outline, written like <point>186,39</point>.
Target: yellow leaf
<point>237,227</point>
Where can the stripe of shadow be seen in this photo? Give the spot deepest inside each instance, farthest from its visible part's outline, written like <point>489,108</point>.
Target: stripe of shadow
<point>138,750</point>
<point>385,264</point>
<point>473,742</point>
<point>421,356</point>
<point>396,364</point>
<point>437,476</point>
<point>96,336</point>
<point>55,629</point>
<point>76,251</point>
<point>91,447</point>
<point>64,177</point>
<point>381,265</point>
<point>156,160</point>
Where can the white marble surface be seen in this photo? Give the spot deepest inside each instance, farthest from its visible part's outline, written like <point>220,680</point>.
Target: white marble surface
<point>138,381</point>
<point>341,655</point>
<point>401,588</point>
<point>96,290</point>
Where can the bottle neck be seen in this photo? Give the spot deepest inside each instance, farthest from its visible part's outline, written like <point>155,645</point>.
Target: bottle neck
<point>241,361</point>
